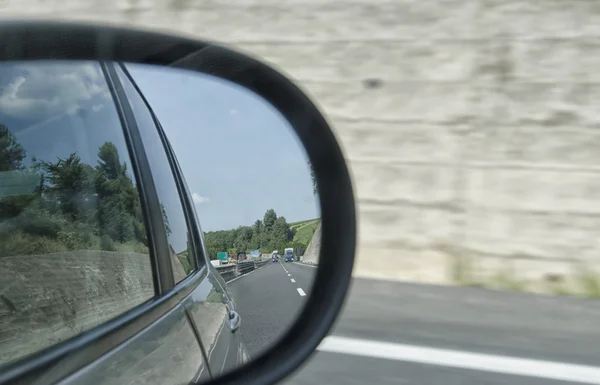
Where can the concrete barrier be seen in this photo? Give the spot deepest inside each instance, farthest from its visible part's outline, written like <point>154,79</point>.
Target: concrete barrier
<point>45,299</point>
<point>228,272</point>
<point>311,255</point>
<point>231,271</point>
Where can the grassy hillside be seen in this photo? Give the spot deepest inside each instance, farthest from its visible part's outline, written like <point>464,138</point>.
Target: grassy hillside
<point>296,225</point>
<point>304,230</point>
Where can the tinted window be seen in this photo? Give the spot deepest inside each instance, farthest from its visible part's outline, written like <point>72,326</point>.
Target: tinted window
<point>175,224</point>
<point>73,246</point>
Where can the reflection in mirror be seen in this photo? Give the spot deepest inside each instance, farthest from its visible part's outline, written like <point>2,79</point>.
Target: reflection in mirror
<point>73,243</point>
<point>78,235</point>
<point>254,193</point>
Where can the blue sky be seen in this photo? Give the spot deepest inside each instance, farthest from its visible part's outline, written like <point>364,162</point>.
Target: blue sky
<point>239,156</point>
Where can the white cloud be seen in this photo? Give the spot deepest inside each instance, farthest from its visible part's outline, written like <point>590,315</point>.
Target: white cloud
<point>198,199</point>
<point>97,107</point>
<point>40,90</point>
<point>233,112</point>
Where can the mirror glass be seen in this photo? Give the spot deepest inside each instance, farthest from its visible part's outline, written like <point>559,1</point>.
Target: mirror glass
<point>76,244</point>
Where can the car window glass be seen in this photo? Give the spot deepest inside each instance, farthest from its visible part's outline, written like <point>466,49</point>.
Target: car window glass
<point>73,246</point>
<point>182,258</point>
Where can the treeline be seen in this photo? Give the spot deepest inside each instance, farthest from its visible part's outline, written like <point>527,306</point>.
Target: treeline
<point>72,206</point>
<point>272,233</point>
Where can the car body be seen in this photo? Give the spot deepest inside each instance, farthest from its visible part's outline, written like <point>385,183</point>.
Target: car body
<point>182,325</point>
<point>153,335</point>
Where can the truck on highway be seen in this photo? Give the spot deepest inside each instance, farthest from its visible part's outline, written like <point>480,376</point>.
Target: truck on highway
<point>288,253</point>
<point>241,256</point>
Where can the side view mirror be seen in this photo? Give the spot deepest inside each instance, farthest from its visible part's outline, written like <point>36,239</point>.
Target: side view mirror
<point>107,275</point>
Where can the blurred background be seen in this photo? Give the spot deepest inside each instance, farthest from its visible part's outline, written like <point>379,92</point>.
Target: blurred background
<point>471,128</point>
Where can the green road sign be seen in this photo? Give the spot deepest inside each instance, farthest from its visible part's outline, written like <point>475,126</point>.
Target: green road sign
<point>222,256</point>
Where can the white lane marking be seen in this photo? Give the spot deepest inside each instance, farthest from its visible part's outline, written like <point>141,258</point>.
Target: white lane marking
<point>283,267</point>
<point>305,264</point>
<point>293,280</point>
<point>301,292</point>
<point>289,275</point>
<point>465,360</point>
<point>225,360</point>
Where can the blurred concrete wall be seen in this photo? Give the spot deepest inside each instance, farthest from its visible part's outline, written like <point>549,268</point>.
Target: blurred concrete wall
<point>471,126</point>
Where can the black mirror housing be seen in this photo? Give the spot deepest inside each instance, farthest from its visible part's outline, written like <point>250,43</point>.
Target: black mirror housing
<point>47,40</point>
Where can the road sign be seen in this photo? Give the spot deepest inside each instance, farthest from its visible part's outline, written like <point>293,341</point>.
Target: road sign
<point>222,256</point>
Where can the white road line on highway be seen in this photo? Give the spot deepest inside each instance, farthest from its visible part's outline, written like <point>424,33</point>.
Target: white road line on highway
<point>550,370</point>
<point>225,360</point>
<point>283,267</point>
<point>289,275</point>
<point>293,280</point>
<point>301,292</point>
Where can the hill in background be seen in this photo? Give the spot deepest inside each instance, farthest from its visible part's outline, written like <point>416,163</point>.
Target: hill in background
<point>304,230</point>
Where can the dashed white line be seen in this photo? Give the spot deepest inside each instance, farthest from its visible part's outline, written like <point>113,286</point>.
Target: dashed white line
<point>289,275</point>
<point>293,280</point>
<point>464,360</point>
<point>301,292</point>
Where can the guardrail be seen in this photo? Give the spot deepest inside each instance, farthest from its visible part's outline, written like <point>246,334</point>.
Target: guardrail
<point>230,271</point>
<point>227,271</point>
<point>245,266</point>
<point>261,263</point>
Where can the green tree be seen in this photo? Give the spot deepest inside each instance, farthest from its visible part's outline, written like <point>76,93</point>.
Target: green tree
<point>12,155</point>
<point>258,236</point>
<point>165,219</point>
<point>314,179</point>
<point>70,184</point>
<point>109,162</point>
<point>12,152</point>
<point>119,208</point>
<point>269,219</point>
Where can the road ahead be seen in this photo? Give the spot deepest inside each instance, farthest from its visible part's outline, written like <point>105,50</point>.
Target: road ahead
<point>423,334</point>
<point>269,300</point>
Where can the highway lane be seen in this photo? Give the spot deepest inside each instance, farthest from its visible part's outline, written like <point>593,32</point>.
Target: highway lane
<point>332,368</point>
<point>472,320</point>
<point>269,299</point>
<point>458,320</point>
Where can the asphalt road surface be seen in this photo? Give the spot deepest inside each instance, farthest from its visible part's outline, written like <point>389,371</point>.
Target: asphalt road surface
<point>399,333</point>
<point>269,299</point>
